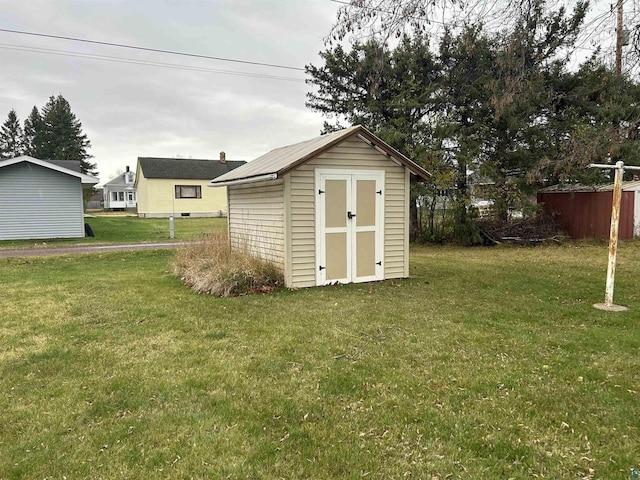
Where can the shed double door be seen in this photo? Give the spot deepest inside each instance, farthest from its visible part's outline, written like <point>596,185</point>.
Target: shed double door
<point>350,226</point>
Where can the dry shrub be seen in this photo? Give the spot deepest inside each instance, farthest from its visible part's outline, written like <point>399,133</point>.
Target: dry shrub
<point>209,266</point>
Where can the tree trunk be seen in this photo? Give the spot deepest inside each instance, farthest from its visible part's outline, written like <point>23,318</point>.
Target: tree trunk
<point>414,229</point>
<point>461,195</point>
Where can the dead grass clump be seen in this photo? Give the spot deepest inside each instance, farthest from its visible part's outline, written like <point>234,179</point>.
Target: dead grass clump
<point>209,266</point>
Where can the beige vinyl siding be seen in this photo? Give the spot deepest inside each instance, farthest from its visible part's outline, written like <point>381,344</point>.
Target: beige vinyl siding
<point>156,198</point>
<point>256,218</point>
<point>302,227</point>
<point>141,192</point>
<point>352,154</point>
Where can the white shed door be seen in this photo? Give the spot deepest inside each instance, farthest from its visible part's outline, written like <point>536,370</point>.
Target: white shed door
<point>349,226</point>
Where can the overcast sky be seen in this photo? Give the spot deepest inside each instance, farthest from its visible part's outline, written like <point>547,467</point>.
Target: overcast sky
<point>130,110</point>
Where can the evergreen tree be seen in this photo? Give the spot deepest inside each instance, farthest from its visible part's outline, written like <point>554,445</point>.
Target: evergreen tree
<point>595,119</point>
<point>503,106</point>
<point>32,136</point>
<point>388,91</point>
<point>530,67</point>
<point>62,135</point>
<point>11,137</point>
<point>466,116</point>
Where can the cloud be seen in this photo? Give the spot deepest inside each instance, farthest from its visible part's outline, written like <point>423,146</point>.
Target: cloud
<point>130,110</point>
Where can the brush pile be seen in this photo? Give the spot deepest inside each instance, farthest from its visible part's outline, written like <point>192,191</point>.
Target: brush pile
<point>525,231</point>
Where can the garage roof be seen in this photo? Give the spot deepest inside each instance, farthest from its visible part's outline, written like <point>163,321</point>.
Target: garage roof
<point>68,167</point>
<point>579,188</point>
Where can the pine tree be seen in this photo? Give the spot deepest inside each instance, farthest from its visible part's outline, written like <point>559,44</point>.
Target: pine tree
<point>63,138</point>
<point>389,91</point>
<point>32,135</point>
<point>11,137</point>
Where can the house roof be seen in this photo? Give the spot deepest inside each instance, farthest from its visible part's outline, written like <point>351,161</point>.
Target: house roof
<point>186,168</point>
<point>280,161</point>
<point>579,188</point>
<point>68,167</point>
<point>118,181</point>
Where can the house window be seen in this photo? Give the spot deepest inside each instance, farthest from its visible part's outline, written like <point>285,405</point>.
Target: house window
<point>121,196</point>
<point>131,196</point>
<point>114,196</point>
<point>188,191</point>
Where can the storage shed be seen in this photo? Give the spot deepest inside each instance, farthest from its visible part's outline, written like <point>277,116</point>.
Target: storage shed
<point>41,199</point>
<point>331,209</point>
<point>585,211</point>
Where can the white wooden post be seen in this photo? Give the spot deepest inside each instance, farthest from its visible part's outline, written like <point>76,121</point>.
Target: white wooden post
<point>613,236</point>
<point>171,227</point>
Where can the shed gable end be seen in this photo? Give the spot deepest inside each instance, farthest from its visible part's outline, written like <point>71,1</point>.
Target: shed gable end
<point>37,202</point>
<point>352,154</point>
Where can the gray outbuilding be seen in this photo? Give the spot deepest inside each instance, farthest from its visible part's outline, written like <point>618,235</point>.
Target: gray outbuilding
<point>332,209</point>
<point>41,199</point>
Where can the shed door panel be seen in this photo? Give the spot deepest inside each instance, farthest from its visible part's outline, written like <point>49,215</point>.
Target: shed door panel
<point>366,254</point>
<point>336,203</point>
<point>336,253</point>
<point>366,203</point>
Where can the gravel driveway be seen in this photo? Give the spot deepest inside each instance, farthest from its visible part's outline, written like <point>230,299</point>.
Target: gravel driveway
<point>75,249</point>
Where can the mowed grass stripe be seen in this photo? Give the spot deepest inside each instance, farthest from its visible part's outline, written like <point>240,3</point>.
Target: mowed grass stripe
<point>111,229</point>
<point>489,363</point>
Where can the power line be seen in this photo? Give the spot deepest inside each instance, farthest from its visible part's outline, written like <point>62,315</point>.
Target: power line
<point>107,58</point>
<point>156,50</point>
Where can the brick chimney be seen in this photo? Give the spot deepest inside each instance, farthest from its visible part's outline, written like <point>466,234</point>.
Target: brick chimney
<point>223,157</point>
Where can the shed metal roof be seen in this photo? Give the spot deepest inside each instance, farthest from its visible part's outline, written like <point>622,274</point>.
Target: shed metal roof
<point>68,167</point>
<point>186,168</point>
<point>280,161</point>
<point>579,188</point>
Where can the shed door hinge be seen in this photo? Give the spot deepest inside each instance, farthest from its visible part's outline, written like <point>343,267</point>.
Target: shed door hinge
<point>320,192</point>
<point>379,263</point>
<point>321,268</point>
<point>379,192</point>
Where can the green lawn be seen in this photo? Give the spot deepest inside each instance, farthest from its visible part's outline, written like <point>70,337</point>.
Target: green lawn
<point>490,363</point>
<point>128,229</point>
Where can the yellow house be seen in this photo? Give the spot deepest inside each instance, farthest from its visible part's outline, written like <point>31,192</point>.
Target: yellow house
<point>331,209</point>
<point>178,187</point>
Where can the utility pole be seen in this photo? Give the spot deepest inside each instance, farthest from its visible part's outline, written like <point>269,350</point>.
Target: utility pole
<point>619,40</point>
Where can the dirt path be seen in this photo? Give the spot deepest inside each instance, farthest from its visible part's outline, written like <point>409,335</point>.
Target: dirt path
<point>76,249</point>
